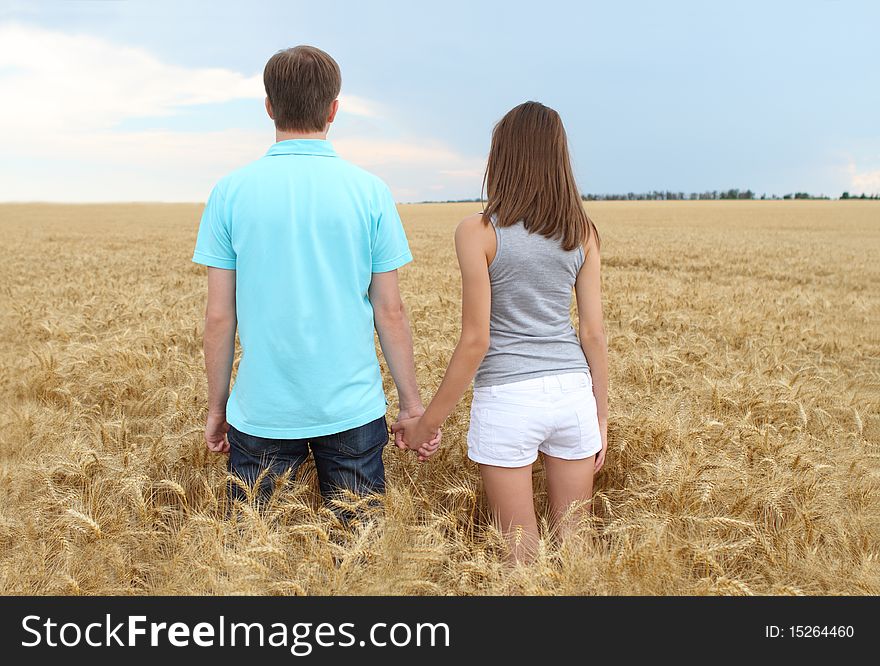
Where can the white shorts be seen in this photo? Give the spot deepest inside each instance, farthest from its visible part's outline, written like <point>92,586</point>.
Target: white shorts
<point>556,415</point>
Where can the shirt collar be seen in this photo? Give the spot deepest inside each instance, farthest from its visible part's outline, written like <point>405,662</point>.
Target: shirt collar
<point>320,147</point>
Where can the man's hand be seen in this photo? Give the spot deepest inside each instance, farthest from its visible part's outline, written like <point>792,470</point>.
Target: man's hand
<point>215,433</point>
<point>414,434</point>
<point>600,457</point>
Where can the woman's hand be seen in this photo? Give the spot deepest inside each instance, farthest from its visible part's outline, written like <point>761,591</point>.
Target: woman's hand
<point>417,436</point>
<point>600,457</point>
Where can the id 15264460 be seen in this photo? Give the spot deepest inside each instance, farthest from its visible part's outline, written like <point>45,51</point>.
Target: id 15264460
<point>808,631</point>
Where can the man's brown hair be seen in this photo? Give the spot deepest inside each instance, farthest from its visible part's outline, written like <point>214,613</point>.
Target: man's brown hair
<point>301,83</point>
<point>529,177</point>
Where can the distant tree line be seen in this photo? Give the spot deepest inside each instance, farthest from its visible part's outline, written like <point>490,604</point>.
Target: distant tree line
<point>666,195</point>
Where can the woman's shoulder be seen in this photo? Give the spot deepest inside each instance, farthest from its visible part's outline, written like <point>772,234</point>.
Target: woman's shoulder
<point>591,240</point>
<point>475,230</point>
<point>474,220</point>
<point>476,224</point>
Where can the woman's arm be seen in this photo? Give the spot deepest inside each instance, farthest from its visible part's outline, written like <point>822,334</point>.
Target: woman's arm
<point>474,240</point>
<point>591,330</point>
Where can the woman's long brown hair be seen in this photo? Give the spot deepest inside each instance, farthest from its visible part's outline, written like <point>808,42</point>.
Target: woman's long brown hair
<point>528,177</point>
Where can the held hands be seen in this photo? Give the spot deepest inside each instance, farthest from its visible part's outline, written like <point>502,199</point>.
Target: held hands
<point>414,410</point>
<point>412,433</point>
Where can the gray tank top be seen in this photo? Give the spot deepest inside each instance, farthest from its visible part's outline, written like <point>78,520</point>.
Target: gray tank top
<point>530,330</point>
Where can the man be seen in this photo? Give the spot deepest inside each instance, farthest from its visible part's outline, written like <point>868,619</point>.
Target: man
<point>302,250</point>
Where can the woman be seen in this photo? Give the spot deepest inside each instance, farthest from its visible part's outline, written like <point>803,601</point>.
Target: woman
<point>539,387</point>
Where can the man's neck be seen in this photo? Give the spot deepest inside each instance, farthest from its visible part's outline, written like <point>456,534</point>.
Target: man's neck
<point>281,135</point>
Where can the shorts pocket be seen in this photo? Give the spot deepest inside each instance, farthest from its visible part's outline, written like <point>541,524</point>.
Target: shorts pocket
<point>503,434</point>
<point>588,424</point>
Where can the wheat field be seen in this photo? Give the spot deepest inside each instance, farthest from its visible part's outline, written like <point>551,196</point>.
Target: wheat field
<point>744,435</point>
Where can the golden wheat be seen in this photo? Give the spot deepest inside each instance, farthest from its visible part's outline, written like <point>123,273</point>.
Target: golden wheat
<point>744,342</point>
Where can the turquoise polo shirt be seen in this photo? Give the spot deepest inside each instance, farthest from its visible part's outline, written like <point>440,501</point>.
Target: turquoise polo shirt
<point>304,231</point>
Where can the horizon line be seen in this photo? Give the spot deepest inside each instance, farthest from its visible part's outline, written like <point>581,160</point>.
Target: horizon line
<point>159,202</point>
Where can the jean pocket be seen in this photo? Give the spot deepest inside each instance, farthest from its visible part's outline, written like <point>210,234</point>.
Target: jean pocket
<point>365,438</point>
<point>258,447</point>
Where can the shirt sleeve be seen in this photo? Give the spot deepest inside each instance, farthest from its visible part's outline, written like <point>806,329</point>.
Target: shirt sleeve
<point>214,242</point>
<point>390,249</point>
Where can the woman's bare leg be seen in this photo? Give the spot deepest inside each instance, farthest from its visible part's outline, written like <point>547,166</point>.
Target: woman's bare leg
<point>509,491</point>
<point>568,481</point>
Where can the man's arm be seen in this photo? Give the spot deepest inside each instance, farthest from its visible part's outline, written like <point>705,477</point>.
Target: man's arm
<point>219,345</point>
<point>395,338</point>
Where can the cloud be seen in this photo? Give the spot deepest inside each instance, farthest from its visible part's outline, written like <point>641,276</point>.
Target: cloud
<point>54,81</point>
<point>374,153</point>
<point>359,106</point>
<point>416,169</point>
<point>863,181</point>
<point>67,97</point>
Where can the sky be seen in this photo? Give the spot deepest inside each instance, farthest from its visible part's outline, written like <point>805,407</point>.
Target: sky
<point>154,100</point>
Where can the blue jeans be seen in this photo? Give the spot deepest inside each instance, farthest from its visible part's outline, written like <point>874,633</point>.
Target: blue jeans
<point>348,460</point>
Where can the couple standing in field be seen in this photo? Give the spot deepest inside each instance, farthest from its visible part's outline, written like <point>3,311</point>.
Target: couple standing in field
<point>302,250</point>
